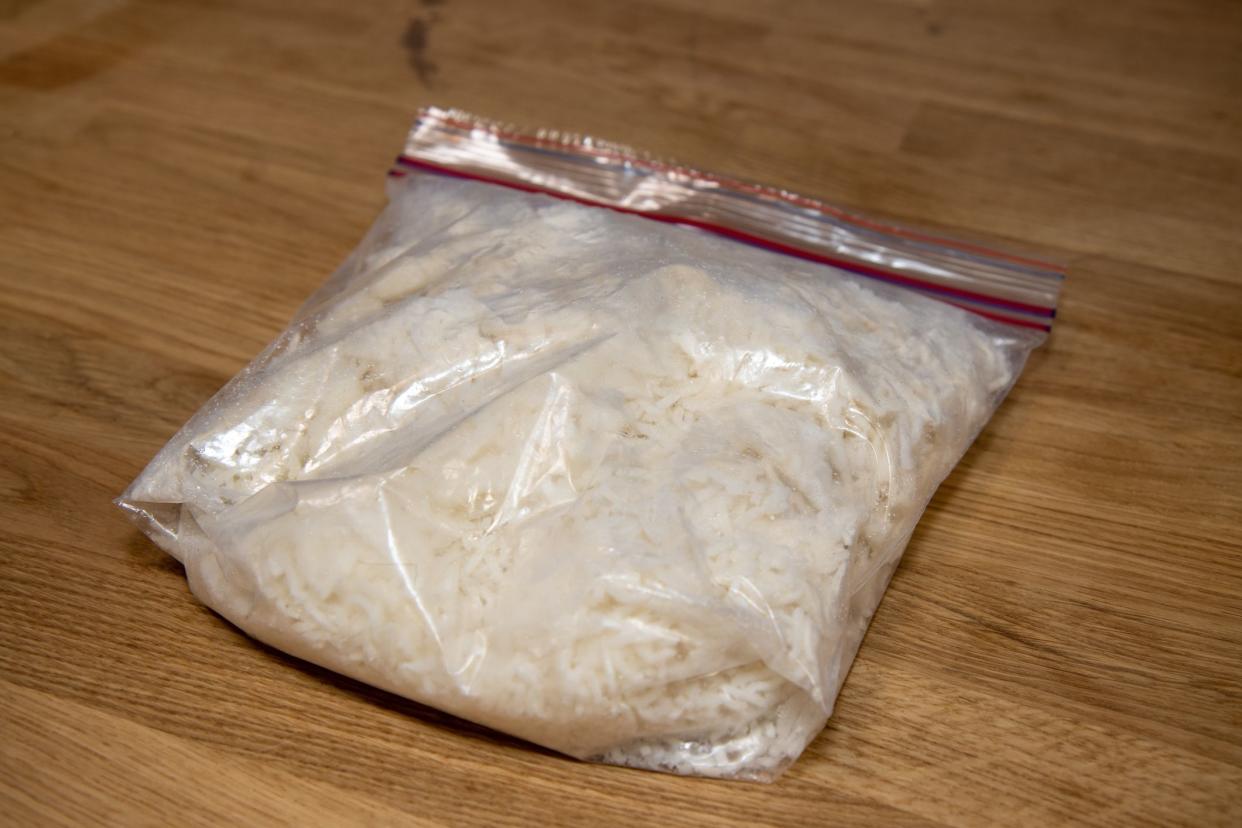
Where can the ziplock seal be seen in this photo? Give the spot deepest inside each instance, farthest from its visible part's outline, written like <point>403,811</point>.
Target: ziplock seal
<point>1007,288</point>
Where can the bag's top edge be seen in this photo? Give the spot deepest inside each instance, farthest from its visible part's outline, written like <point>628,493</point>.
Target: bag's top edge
<point>1018,290</point>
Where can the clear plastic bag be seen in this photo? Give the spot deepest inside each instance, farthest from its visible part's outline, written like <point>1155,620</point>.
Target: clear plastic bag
<point>627,490</point>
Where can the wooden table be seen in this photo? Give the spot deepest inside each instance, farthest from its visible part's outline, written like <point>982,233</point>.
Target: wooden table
<point>1063,643</point>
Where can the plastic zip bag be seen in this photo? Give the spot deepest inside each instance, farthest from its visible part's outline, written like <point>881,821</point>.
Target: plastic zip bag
<point>625,489</point>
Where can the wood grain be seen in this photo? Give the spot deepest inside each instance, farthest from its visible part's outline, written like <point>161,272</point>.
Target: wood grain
<point>1061,645</point>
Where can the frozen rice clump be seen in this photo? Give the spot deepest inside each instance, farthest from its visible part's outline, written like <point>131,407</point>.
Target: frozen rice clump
<point>626,490</point>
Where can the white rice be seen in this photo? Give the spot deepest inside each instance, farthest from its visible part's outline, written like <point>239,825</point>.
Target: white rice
<point>625,490</point>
